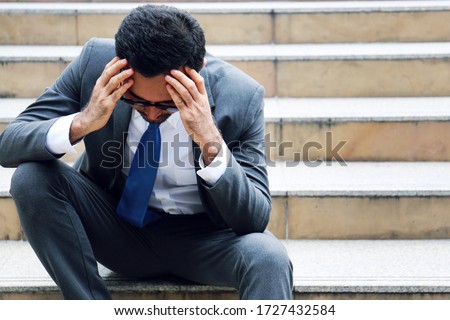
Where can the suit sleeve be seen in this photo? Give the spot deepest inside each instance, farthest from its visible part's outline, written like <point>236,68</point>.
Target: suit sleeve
<point>241,196</point>
<point>24,139</point>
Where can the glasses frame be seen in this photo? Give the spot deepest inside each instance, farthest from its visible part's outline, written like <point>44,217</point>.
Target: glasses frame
<point>145,104</point>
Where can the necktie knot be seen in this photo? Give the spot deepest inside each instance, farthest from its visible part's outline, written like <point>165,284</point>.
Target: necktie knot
<point>152,126</point>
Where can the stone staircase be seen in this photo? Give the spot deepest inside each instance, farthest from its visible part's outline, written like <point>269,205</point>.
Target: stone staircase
<point>358,135</point>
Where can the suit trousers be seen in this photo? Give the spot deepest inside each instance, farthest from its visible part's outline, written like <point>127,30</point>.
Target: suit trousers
<point>71,224</point>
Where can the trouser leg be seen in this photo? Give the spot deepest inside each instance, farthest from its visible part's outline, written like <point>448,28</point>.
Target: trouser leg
<point>54,230</point>
<point>70,223</point>
<point>256,264</point>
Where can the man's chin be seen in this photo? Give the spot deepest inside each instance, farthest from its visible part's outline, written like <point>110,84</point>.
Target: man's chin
<point>159,120</point>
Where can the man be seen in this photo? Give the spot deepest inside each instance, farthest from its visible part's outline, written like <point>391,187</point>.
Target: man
<point>203,184</point>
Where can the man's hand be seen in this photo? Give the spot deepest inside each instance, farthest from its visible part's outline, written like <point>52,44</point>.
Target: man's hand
<point>110,86</point>
<point>189,94</point>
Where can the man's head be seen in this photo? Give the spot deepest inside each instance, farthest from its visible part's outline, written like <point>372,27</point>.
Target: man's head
<point>155,39</point>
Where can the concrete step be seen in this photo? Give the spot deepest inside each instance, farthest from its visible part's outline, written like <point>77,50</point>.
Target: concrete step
<point>353,200</point>
<point>389,269</point>
<point>263,22</point>
<point>361,200</point>
<point>357,129</point>
<point>320,70</point>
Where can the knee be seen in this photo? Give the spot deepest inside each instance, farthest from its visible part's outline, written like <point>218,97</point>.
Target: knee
<point>34,188</point>
<point>24,177</point>
<point>268,272</point>
<point>270,255</point>
<point>29,180</point>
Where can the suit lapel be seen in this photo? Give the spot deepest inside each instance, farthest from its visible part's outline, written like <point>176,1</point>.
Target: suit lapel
<point>121,119</point>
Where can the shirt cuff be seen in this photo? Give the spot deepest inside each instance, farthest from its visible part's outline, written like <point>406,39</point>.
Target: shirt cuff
<point>212,173</point>
<point>57,141</point>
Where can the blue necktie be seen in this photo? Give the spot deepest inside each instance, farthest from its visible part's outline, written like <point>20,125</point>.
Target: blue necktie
<point>133,205</point>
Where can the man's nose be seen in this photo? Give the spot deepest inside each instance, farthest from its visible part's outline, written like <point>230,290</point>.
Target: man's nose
<point>151,113</point>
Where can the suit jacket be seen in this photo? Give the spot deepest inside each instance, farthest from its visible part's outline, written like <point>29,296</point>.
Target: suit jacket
<point>239,200</point>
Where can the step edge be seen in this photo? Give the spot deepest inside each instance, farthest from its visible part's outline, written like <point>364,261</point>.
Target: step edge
<point>270,52</point>
<point>247,7</point>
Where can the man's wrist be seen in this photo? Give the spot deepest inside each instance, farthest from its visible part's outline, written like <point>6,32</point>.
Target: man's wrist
<point>214,171</point>
<point>210,152</point>
<point>78,128</point>
<point>211,148</point>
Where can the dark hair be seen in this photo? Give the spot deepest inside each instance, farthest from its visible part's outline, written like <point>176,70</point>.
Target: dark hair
<point>157,38</point>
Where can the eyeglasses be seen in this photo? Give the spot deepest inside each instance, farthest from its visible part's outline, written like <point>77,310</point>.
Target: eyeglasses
<point>142,103</point>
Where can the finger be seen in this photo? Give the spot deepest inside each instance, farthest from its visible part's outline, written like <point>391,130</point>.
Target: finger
<point>175,97</point>
<point>180,89</point>
<point>187,83</point>
<point>118,80</point>
<point>114,60</point>
<point>197,78</point>
<point>120,91</point>
<point>111,70</point>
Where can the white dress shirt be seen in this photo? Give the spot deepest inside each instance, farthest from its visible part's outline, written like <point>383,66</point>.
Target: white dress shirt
<point>175,190</point>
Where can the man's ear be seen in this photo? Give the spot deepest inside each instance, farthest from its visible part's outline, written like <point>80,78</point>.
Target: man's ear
<point>204,63</point>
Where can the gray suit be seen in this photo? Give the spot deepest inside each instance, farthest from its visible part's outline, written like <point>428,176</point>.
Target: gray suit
<point>239,203</point>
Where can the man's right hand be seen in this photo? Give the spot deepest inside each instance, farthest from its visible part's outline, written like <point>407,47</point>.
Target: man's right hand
<point>110,86</point>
